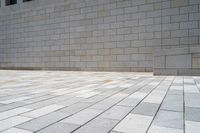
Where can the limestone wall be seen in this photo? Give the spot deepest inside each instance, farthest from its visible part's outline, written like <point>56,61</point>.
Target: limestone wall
<point>109,35</point>
<point>96,35</point>
<point>179,54</point>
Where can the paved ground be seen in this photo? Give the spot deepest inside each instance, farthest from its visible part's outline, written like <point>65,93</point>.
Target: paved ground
<point>94,102</point>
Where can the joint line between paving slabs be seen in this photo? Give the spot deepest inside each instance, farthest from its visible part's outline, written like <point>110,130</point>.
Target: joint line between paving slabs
<point>85,108</point>
<point>138,103</point>
<point>160,105</point>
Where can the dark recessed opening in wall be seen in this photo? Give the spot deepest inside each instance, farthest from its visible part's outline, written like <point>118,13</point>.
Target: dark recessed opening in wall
<point>11,2</point>
<point>27,0</point>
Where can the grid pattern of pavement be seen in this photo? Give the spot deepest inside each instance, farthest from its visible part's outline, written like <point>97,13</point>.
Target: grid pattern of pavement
<point>98,102</point>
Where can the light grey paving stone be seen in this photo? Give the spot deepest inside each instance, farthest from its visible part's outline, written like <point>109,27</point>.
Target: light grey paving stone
<point>154,98</point>
<point>59,128</point>
<point>138,95</point>
<point>37,99</point>
<point>13,95</point>
<point>48,102</point>
<point>192,114</point>
<point>192,127</point>
<point>13,121</point>
<point>109,102</point>
<point>16,130</point>
<point>132,102</point>
<point>74,108</point>
<point>43,111</point>
<point>173,103</point>
<point>70,101</point>
<point>82,117</point>
<point>41,122</point>
<point>95,99</point>
<point>133,122</point>
<point>116,112</point>
<point>13,112</point>
<point>158,129</point>
<point>175,92</point>
<point>15,100</point>
<point>192,100</point>
<point>191,88</point>
<point>144,108</point>
<point>169,119</point>
<point>11,106</point>
<point>115,132</point>
<point>98,125</point>
<point>176,87</point>
<point>88,94</point>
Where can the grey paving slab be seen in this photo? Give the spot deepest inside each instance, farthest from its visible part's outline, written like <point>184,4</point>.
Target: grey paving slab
<point>115,132</point>
<point>169,119</point>
<point>129,102</point>
<point>192,127</point>
<point>13,112</point>
<point>97,102</point>
<point>107,103</point>
<point>98,125</point>
<point>74,108</point>
<point>192,100</point>
<point>134,123</point>
<point>158,129</point>
<point>13,121</point>
<point>42,122</point>
<point>116,112</point>
<point>149,109</point>
<point>173,103</point>
<point>82,117</point>
<point>192,114</point>
<point>16,130</point>
<point>59,128</point>
<point>43,111</point>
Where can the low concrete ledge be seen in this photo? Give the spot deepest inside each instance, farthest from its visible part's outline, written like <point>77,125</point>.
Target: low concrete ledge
<point>177,61</point>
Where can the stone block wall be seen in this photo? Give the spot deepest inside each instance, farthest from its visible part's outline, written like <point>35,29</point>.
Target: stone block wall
<point>177,61</point>
<point>95,35</point>
<point>179,53</point>
<point>102,35</point>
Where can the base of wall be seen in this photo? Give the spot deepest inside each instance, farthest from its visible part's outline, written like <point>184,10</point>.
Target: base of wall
<point>177,61</point>
<point>177,72</point>
<point>81,69</point>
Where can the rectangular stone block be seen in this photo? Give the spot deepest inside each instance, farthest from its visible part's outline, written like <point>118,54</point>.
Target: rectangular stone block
<point>178,61</point>
<point>179,3</point>
<point>196,63</point>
